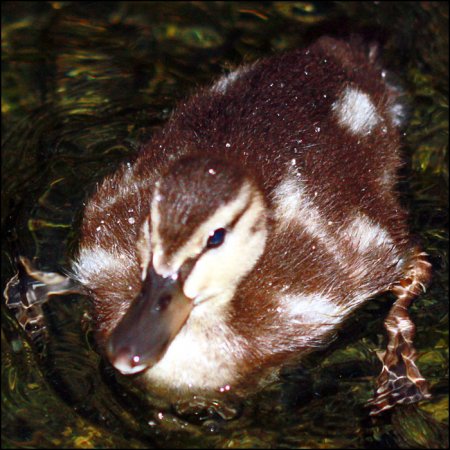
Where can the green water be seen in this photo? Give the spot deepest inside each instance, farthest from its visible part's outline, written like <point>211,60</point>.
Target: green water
<point>83,85</point>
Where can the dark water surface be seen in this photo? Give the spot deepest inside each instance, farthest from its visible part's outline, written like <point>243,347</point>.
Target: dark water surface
<point>83,85</point>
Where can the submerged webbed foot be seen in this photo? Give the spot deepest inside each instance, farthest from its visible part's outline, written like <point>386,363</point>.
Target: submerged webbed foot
<point>29,289</point>
<point>400,380</point>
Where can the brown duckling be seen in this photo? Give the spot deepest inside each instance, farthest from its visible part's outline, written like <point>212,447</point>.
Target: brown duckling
<point>253,224</point>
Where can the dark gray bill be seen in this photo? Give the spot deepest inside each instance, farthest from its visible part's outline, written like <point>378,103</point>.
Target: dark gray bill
<point>153,319</point>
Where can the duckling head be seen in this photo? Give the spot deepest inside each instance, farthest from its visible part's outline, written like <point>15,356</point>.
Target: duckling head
<point>206,229</point>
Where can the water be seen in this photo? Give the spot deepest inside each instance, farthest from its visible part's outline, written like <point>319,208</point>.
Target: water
<point>83,84</point>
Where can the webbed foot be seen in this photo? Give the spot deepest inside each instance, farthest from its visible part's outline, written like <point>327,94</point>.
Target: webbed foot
<point>400,380</point>
<point>29,289</point>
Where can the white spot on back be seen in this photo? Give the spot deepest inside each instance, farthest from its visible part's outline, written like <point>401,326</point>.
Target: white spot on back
<point>223,83</point>
<point>314,315</point>
<point>356,111</point>
<point>365,235</point>
<point>294,207</point>
<point>317,314</point>
<point>293,204</point>
<point>398,114</point>
<point>311,309</point>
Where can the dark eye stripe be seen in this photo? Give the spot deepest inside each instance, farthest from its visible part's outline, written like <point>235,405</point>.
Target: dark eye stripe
<point>216,238</point>
<point>239,215</point>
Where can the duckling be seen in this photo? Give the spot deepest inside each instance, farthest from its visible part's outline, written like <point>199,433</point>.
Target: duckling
<point>253,224</point>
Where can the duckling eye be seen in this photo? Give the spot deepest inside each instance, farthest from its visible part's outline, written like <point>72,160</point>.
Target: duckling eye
<point>216,239</point>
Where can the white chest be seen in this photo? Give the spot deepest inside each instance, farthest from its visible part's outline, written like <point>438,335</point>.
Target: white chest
<point>203,356</point>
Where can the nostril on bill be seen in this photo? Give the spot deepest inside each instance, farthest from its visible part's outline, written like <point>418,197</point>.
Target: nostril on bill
<point>163,302</point>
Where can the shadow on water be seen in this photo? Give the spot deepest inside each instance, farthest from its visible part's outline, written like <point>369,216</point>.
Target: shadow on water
<point>83,86</point>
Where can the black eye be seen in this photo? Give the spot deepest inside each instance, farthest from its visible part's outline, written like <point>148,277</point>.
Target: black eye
<point>215,239</point>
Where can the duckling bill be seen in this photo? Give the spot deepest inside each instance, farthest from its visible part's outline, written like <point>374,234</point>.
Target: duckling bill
<point>253,224</point>
<point>151,322</point>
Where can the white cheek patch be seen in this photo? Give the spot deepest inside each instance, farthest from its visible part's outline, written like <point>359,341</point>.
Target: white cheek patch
<point>196,243</point>
<point>91,262</point>
<point>219,270</point>
<point>365,235</point>
<point>356,112</point>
